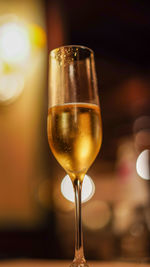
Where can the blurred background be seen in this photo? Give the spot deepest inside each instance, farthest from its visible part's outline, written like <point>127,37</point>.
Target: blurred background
<point>36,221</point>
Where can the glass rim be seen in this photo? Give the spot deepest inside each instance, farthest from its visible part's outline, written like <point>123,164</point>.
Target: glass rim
<point>69,46</point>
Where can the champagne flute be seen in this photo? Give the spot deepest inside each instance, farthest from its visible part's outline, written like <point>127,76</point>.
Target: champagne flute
<point>74,121</point>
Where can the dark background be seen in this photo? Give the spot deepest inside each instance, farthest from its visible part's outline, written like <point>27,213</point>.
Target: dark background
<point>118,32</point>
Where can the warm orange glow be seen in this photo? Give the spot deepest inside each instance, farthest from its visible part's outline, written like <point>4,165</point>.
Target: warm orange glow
<point>22,194</point>
<point>37,35</point>
<point>43,193</point>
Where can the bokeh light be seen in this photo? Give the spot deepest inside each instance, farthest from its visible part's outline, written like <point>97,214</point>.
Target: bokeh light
<point>37,36</point>
<point>141,123</point>
<point>142,164</point>
<point>88,188</point>
<point>19,42</point>
<point>11,85</point>
<point>123,216</point>
<point>96,215</point>
<point>14,43</point>
<point>142,140</point>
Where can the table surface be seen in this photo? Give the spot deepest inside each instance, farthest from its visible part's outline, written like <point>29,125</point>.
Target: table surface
<point>49,263</point>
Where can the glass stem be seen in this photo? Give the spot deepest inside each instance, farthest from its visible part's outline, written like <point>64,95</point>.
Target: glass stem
<point>79,253</point>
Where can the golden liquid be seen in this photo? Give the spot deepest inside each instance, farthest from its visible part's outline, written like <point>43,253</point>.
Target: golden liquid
<point>75,136</point>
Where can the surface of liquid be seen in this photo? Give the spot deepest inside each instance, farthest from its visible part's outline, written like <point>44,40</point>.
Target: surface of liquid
<point>75,136</point>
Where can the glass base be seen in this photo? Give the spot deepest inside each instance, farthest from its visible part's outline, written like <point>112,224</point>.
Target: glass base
<point>79,263</point>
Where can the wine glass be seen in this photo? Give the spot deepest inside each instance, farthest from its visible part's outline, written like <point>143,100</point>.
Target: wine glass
<point>74,121</point>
